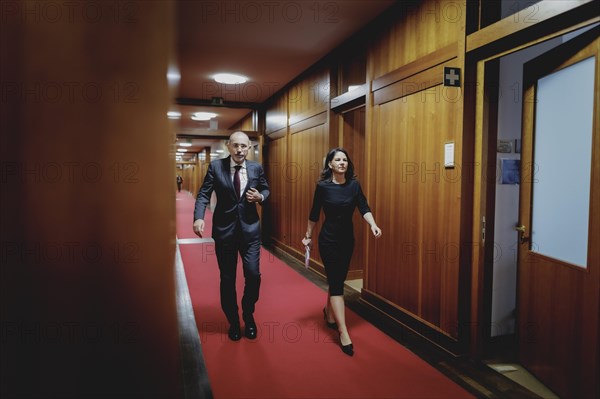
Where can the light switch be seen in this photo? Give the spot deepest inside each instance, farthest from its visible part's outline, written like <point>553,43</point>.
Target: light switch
<point>449,155</point>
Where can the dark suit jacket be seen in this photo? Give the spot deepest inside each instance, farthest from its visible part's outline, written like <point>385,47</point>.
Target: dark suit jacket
<point>231,211</point>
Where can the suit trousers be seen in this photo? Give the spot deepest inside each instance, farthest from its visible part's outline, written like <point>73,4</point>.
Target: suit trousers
<point>227,255</point>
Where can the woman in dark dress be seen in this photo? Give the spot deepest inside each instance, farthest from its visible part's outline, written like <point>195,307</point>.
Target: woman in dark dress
<point>338,193</point>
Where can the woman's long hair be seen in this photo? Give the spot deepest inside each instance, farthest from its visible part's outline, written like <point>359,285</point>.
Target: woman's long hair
<point>327,174</point>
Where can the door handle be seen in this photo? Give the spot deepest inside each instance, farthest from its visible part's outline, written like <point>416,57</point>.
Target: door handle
<point>522,229</point>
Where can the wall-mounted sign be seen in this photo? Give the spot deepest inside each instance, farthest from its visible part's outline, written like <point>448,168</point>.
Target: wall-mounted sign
<point>451,77</point>
<point>504,146</point>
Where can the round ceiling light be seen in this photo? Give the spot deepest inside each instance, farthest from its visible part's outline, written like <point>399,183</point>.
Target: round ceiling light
<point>203,116</point>
<point>229,78</point>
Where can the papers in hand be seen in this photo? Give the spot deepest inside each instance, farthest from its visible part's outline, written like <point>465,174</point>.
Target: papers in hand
<point>306,256</point>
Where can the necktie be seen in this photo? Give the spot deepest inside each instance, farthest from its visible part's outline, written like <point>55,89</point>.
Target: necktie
<point>236,180</point>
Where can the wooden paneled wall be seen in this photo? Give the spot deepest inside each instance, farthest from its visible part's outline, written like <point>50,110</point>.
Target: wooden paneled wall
<point>246,123</point>
<point>88,299</point>
<point>420,29</point>
<point>353,139</point>
<point>278,206</point>
<point>309,97</point>
<point>306,163</point>
<point>397,143</point>
<point>426,272</point>
<point>190,174</point>
<point>294,158</point>
<point>415,266</point>
<point>276,116</point>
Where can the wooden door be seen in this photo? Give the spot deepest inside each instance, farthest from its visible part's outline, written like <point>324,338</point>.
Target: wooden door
<point>559,218</point>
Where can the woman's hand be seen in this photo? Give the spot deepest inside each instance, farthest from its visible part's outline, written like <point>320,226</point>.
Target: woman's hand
<point>376,231</point>
<point>306,241</point>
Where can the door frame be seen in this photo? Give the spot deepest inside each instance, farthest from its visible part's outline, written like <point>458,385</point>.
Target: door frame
<point>480,74</point>
<point>569,370</point>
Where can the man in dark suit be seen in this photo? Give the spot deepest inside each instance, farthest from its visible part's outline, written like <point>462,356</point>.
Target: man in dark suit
<point>236,227</point>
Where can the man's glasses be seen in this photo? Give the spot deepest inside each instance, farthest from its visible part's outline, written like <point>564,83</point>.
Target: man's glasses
<point>242,147</point>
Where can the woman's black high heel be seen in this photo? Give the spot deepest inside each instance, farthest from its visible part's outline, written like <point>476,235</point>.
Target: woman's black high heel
<point>330,325</point>
<point>348,349</point>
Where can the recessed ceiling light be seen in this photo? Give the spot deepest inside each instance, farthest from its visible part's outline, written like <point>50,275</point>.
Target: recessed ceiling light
<point>173,75</point>
<point>203,116</point>
<point>173,115</point>
<point>229,78</point>
<point>185,144</point>
<point>182,150</point>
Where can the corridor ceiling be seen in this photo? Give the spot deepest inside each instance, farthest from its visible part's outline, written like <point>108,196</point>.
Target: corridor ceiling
<point>270,42</point>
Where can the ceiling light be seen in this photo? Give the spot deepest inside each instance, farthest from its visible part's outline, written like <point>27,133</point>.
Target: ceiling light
<point>229,78</point>
<point>173,75</point>
<point>185,142</point>
<point>173,115</point>
<point>203,116</point>
<point>182,150</point>
<point>219,151</point>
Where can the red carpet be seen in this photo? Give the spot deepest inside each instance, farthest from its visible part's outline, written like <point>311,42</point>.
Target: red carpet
<point>295,354</point>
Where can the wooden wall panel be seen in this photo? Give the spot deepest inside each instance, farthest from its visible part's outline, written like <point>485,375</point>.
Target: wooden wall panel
<point>88,292</point>
<point>246,123</point>
<point>278,204</point>
<point>414,267</point>
<point>309,96</point>
<point>295,148</point>
<point>417,258</point>
<point>276,117</point>
<point>303,171</point>
<point>189,175</point>
<point>426,27</point>
<point>353,140</point>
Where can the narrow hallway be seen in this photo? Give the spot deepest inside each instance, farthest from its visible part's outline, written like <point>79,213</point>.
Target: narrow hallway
<point>295,355</point>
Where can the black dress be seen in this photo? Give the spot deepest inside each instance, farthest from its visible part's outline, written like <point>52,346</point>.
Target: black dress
<point>336,240</point>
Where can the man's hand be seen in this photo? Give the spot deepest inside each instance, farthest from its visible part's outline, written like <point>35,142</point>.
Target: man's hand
<point>252,195</point>
<point>199,227</point>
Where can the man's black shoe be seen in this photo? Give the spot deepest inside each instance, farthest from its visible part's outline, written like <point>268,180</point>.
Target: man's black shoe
<point>235,332</point>
<point>250,330</point>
